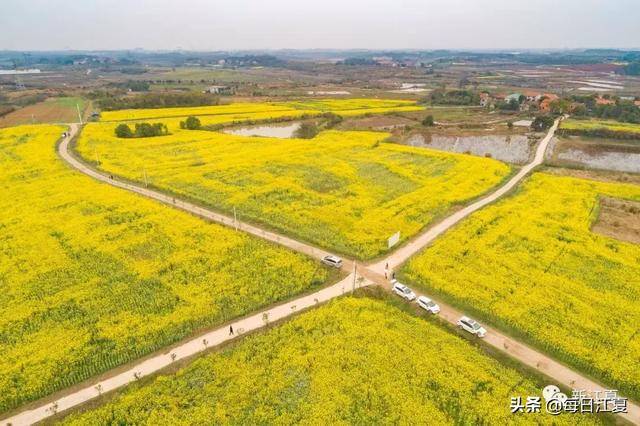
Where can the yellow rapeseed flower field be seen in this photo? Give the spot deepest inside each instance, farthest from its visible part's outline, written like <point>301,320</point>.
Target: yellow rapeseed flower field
<point>617,126</point>
<point>265,110</point>
<point>92,276</point>
<point>354,361</point>
<point>347,191</point>
<point>531,265</point>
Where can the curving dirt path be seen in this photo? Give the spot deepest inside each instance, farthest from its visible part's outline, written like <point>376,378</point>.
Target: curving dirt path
<point>373,275</point>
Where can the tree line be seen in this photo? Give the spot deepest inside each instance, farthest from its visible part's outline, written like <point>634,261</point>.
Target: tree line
<point>141,130</point>
<point>110,101</point>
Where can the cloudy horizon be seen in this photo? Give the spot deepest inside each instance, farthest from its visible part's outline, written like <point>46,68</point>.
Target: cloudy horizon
<point>201,25</point>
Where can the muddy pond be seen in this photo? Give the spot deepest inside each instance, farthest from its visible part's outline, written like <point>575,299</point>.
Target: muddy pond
<point>516,149</point>
<point>281,131</point>
<point>596,154</point>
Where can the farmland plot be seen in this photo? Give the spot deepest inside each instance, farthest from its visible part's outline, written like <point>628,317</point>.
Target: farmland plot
<point>354,361</point>
<point>347,191</point>
<point>531,265</point>
<point>92,276</point>
<point>347,107</point>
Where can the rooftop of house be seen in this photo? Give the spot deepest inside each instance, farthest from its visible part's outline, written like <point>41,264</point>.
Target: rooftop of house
<point>531,93</point>
<point>604,101</point>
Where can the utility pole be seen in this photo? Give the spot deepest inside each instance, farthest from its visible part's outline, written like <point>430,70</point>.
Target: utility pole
<point>353,289</point>
<point>79,115</point>
<point>235,218</point>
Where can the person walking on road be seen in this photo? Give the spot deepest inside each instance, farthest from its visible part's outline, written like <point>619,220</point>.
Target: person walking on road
<point>230,330</point>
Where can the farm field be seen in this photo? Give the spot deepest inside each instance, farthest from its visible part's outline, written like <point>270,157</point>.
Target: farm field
<point>52,110</point>
<point>531,265</point>
<point>606,127</point>
<point>92,276</point>
<point>347,191</point>
<point>354,361</point>
<point>466,116</point>
<point>346,107</point>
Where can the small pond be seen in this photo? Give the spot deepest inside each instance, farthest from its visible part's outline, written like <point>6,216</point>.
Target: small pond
<point>618,161</point>
<point>282,131</point>
<point>509,148</point>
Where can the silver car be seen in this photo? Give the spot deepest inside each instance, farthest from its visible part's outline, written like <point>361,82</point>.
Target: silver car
<point>472,326</point>
<point>403,291</point>
<point>428,305</point>
<point>333,261</point>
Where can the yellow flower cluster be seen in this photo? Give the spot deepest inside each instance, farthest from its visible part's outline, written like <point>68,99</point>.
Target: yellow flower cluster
<point>354,361</point>
<point>347,191</point>
<point>92,276</point>
<point>232,112</point>
<point>616,126</point>
<point>531,265</point>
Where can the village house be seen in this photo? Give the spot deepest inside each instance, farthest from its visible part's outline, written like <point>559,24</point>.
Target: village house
<point>513,97</point>
<point>485,99</point>
<point>219,90</point>
<point>532,95</point>
<point>604,101</point>
<point>545,103</point>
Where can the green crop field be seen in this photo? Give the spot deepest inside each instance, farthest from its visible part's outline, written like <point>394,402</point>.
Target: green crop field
<point>600,128</point>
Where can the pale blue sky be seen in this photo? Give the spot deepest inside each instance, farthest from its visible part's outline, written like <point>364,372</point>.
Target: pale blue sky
<point>274,24</point>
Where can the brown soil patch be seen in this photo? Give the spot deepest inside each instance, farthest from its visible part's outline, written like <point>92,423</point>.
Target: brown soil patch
<point>619,219</point>
<point>598,146</point>
<point>48,111</point>
<point>381,122</point>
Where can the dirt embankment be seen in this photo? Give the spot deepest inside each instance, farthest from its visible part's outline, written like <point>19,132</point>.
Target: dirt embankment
<point>600,175</point>
<point>619,219</point>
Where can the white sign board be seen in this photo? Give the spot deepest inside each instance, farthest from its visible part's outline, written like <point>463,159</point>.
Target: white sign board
<point>393,240</point>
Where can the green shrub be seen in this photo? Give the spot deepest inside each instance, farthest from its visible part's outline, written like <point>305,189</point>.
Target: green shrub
<point>191,123</point>
<point>142,130</point>
<point>124,131</point>
<point>428,121</point>
<point>306,131</point>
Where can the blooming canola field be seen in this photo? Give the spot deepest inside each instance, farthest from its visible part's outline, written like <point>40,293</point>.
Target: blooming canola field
<point>354,361</point>
<point>265,110</point>
<point>92,276</point>
<point>346,191</point>
<point>531,265</point>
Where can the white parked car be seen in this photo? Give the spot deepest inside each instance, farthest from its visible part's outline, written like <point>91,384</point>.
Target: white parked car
<point>472,326</point>
<point>332,260</point>
<point>428,304</point>
<point>403,291</point>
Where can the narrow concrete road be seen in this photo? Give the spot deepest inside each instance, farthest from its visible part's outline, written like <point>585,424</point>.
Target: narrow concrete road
<point>557,372</point>
<point>417,244</point>
<point>190,348</point>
